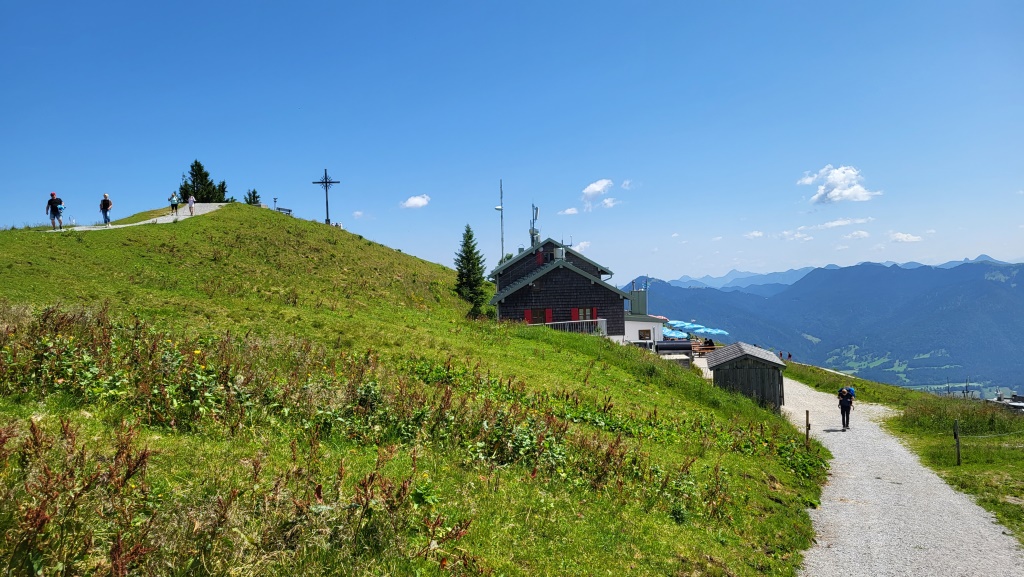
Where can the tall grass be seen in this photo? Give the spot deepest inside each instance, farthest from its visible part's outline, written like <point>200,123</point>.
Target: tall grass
<point>112,505</point>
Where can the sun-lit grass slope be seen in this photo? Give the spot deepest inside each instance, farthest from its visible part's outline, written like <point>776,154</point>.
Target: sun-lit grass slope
<point>992,439</point>
<point>248,393</point>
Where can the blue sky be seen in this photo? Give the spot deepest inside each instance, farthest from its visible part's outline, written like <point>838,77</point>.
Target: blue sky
<point>661,138</point>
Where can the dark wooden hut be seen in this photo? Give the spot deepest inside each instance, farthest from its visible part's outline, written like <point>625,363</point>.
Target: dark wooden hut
<point>553,284</point>
<point>750,370</point>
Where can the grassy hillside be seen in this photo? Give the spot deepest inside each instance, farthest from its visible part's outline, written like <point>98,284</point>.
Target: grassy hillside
<point>248,393</point>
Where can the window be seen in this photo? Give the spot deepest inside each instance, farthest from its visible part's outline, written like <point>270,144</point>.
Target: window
<point>645,334</point>
<point>584,314</point>
<point>537,316</point>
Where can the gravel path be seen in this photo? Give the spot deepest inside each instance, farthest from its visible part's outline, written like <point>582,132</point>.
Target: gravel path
<point>882,513</point>
<point>201,208</point>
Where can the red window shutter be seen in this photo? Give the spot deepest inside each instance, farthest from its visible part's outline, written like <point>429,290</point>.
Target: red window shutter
<point>540,257</point>
<point>528,316</point>
<point>575,314</point>
<point>593,313</point>
<point>547,315</point>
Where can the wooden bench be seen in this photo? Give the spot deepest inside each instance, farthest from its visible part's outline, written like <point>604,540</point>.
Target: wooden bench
<point>702,350</point>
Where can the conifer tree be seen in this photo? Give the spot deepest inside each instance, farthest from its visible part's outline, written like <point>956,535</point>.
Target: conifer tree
<point>252,197</point>
<point>469,266</point>
<point>197,182</point>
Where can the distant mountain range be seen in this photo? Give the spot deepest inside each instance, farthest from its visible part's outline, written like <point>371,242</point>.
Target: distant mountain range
<point>736,279</point>
<point>906,324</point>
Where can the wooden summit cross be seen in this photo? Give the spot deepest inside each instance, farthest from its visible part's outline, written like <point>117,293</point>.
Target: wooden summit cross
<point>326,182</point>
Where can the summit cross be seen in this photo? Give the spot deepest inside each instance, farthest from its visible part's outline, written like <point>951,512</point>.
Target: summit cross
<point>326,182</point>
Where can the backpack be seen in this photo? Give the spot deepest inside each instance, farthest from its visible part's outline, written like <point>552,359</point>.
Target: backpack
<point>851,390</point>
<point>60,208</point>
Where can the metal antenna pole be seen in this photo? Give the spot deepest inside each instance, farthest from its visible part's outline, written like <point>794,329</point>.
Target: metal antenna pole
<point>501,202</point>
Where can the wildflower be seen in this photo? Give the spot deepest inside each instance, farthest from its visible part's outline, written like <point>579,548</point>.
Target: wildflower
<point>197,351</point>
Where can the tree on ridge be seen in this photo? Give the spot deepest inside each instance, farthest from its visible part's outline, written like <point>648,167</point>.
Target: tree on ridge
<point>197,183</point>
<point>469,266</point>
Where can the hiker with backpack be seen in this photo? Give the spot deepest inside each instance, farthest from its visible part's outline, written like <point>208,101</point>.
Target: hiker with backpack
<point>845,406</point>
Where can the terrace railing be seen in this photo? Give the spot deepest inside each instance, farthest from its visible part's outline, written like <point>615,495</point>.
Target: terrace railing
<point>591,327</point>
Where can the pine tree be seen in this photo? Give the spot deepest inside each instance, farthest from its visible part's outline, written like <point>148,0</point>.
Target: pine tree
<point>252,197</point>
<point>469,266</point>
<point>197,183</point>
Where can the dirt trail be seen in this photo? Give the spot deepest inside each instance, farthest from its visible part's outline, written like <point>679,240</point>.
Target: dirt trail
<point>201,208</point>
<point>882,513</point>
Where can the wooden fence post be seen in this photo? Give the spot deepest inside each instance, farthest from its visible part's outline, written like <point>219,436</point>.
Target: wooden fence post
<point>807,432</point>
<point>956,436</point>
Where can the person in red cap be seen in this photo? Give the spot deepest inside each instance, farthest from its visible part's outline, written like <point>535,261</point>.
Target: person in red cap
<point>53,207</point>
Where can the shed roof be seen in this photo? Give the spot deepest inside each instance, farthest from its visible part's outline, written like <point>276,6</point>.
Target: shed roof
<point>643,318</point>
<point>737,350</point>
<point>494,273</point>
<point>543,270</point>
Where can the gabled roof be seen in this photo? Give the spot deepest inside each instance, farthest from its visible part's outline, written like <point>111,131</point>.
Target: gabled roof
<point>543,270</point>
<point>737,350</point>
<point>532,251</point>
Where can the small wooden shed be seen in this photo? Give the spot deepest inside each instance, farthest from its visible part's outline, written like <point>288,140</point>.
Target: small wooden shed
<point>753,371</point>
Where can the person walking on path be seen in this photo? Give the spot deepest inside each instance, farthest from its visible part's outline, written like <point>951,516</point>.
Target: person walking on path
<point>845,406</point>
<point>175,201</point>
<point>105,205</point>
<point>53,208</point>
<point>191,205</point>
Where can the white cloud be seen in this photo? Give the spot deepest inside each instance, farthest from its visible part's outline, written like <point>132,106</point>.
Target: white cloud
<point>857,234</point>
<point>581,246</point>
<point>754,234</point>
<point>610,202</point>
<point>594,190</point>
<point>675,234</point>
<point>357,214</point>
<point>627,184</point>
<point>842,247</point>
<point>837,185</point>
<point>795,235</point>
<point>903,237</point>
<point>570,210</point>
<point>418,201</point>
<point>930,231</point>
<point>716,239</point>
<point>841,222</point>
<point>597,188</point>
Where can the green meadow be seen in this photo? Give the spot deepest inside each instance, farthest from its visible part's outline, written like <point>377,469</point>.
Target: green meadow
<point>245,393</point>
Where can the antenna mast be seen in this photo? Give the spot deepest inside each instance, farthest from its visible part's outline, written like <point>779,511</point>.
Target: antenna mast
<point>534,233</point>
<point>501,210</point>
